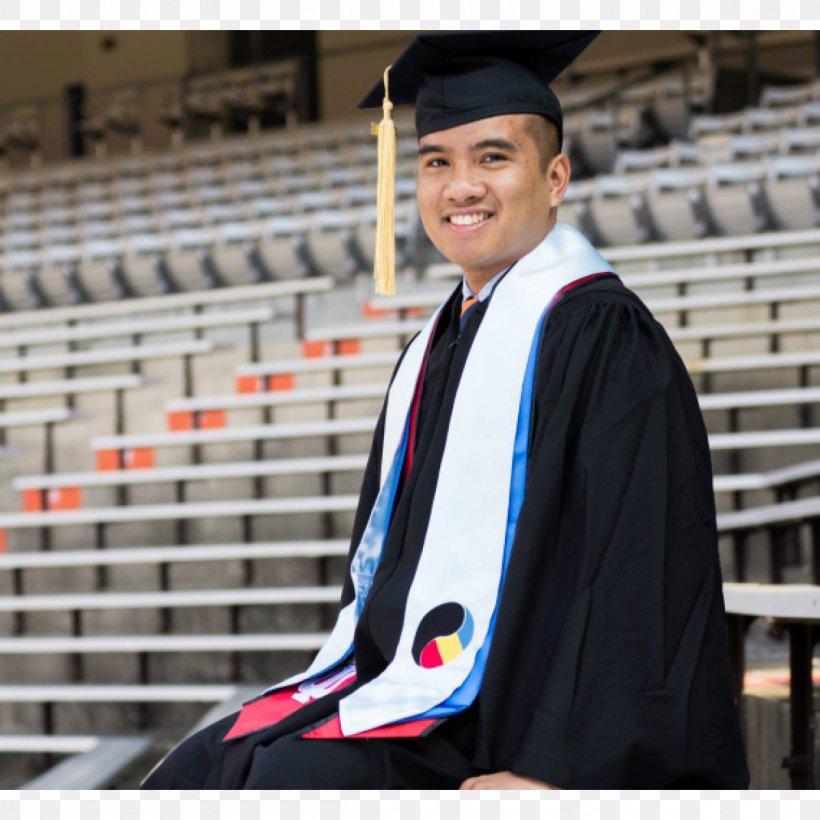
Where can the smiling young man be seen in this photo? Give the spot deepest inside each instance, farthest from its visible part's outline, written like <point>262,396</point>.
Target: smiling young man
<point>533,596</point>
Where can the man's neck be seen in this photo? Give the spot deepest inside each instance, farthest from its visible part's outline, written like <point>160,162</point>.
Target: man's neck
<point>477,279</point>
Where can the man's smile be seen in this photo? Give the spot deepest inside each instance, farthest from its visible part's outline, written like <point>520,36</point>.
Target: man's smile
<point>468,222</point>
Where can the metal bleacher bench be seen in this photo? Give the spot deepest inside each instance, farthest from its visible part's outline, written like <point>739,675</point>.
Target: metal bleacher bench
<point>94,763</point>
<point>366,330</point>
<point>656,251</point>
<point>671,304</point>
<point>139,644</point>
<point>776,519</point>
<point>333,427</point>
<point>134,353</point>
<point>170,599</point>
<point>163,556</point>
<point>322,364</point>
<point>171,554</point>
<point>275,398</point>
<point>377,390</point>
<point>785,477</point>
<point>746,272</point>
<point>170,512</point>
<point>62,387</point>
<point>47,695</point>
<point>713,402</point>
<point>134,327</point>
<point>29,418</point>
<point>195,472</point>
<point>797,607</point>
<point>802,358</point>
<point>297,288</point>
<point>705,334</point>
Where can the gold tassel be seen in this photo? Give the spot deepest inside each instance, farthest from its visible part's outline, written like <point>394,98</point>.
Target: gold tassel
<point>384,262</point>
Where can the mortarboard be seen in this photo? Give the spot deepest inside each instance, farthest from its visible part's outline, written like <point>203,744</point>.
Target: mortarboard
<point>459,77</point>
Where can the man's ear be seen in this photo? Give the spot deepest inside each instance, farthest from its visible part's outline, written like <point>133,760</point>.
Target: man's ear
<point>558,176</point>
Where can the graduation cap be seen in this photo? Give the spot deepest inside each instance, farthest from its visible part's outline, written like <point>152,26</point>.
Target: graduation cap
<point>459,77</point>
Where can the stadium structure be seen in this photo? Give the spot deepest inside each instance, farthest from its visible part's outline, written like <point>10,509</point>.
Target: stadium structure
<point>192,360</point>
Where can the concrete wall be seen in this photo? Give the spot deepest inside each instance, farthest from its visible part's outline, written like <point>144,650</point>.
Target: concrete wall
<point>42,63</point>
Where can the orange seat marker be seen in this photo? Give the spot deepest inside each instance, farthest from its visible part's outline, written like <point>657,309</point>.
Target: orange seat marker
<point>139,458</point>
<point>211,419</point>
<point>250,384</point>
<point>108,459</point>
<point>180,420</point>
<point>32,501</point>
<point>349,347</point>
<point>281,381</point>
<point>64,498</point>
<point>315,350</point>
<point>377,313</point>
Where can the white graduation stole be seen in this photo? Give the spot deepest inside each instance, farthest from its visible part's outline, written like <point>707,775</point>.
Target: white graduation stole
<point>460,569</point>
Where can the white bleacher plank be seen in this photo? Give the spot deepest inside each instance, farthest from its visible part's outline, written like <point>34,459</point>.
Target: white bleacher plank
<point>676,276</point>
<point>408,327</point>
<point>759,398</point>
<point>170,301</point>
<point>721,273</point>
<point>334,427</point>
<point>55,744</point>
<point>373,329</point>
<point>96,768</point>
<point>296,642</point>
<point>739,330</point>
<point>52,335</point>
<point>803,509</point>
<point>713,401</point>
<point>422,298</point>
<point>712,245</point>
<point>739,482</point>
<point>431,299</point>
<point>166,512</point>
<point>176,554</point>
<point>61,387</point>
<point>193,472</point>
<point>709,301</point>
<point>248,596</point>
<point>793,474</point>
<point>343,362</point>
<point>764,438</point>
<point>799,602</point>
<point>275,398</point>
<point>765,361</point>
<point>106,356</point>
<point>33,417</point>
<point>116,693</point>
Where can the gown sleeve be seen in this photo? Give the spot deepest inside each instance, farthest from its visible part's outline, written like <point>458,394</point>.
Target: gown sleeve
<point>611,630</point>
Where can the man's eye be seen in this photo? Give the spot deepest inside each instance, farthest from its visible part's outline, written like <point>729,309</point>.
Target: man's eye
<point>436,162</point>
<point>493,158</point>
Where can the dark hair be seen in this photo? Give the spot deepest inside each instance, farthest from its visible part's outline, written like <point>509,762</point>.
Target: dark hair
<point>545,135</point>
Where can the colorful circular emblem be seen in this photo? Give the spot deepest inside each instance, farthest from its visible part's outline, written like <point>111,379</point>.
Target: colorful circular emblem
<point>442,636</point>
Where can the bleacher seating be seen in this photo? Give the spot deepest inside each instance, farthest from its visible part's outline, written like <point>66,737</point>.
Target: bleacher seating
<point>177,525</point>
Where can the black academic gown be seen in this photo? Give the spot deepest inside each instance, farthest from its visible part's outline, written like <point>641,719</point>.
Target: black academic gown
<point>608,666</point>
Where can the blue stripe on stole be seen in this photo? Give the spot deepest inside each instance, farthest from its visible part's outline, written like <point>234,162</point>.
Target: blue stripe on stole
<point>467,692</point>
<point>375,533</point>
<point>372,541</point>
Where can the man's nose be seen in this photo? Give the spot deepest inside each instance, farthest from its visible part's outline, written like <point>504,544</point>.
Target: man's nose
<point>464,186</point>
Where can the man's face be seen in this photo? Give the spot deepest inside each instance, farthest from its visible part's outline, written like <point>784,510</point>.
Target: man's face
<point>483,198</point>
